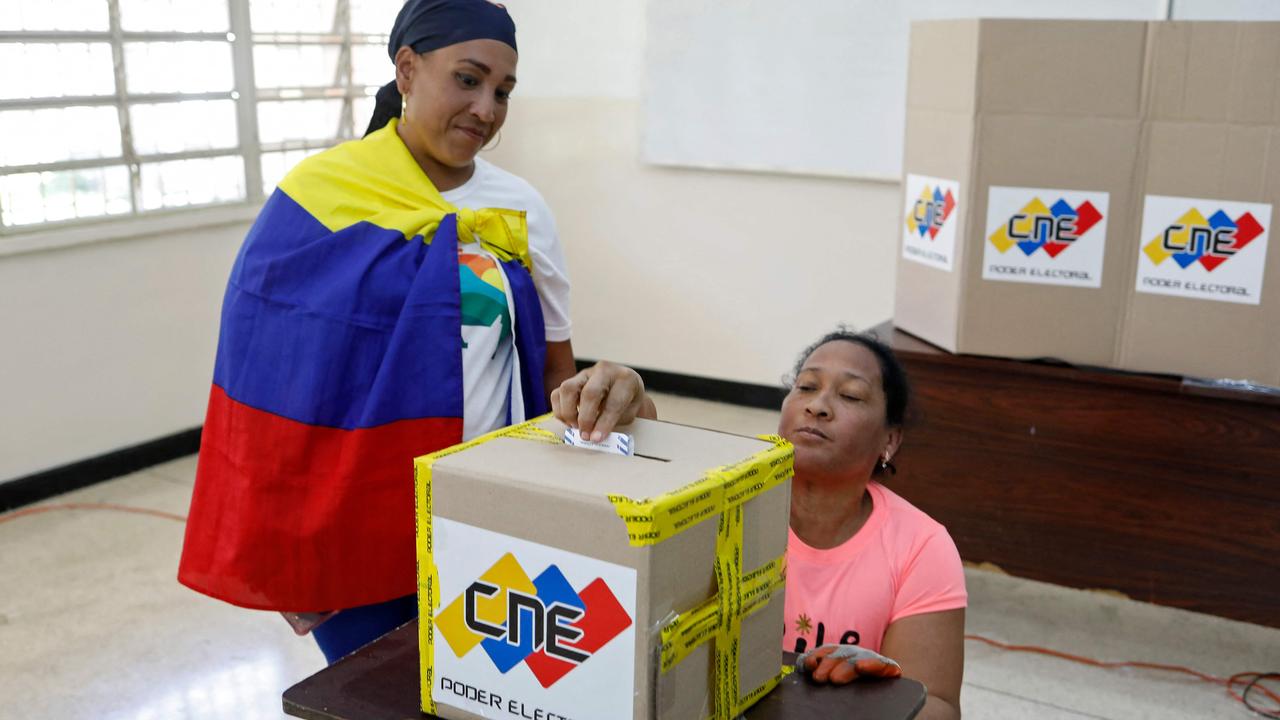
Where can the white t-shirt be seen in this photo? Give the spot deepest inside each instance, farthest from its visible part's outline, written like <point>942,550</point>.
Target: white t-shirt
<point>489,383</point>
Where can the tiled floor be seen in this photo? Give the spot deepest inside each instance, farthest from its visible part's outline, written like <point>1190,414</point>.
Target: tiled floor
<point>93,624</point>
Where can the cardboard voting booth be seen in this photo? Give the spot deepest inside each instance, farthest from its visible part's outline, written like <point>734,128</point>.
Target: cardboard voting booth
<point>1019,134</point>
<point>1098,192</point>
<point>1206,298</point>
<point>559,582</point>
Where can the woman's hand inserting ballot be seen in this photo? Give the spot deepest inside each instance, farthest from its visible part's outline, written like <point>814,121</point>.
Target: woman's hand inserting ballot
<point>600,398</point>
<point>842,664</point>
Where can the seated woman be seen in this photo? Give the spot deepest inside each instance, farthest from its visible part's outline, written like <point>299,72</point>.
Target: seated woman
<point>864,567</point>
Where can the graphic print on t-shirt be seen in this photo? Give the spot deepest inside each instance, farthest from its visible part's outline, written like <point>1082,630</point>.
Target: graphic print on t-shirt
<point>487,355</point>
<point>484,299</point>
<point>812,634</point>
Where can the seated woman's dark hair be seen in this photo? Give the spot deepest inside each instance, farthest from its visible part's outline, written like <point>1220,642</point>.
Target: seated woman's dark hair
<point>893,378</point>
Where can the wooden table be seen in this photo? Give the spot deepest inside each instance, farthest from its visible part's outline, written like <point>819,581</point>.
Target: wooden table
<point>380,682</point>
<point>1161,488</point>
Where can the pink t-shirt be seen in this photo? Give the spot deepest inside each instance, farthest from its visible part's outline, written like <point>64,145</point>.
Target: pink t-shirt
<point>901,562</point>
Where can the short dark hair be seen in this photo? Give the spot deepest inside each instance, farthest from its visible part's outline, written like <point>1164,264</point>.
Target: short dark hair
<point>893,378</point>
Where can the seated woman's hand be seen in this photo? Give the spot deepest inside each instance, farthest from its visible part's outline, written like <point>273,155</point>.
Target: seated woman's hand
<point>841,664</point>
<point>600,398</point>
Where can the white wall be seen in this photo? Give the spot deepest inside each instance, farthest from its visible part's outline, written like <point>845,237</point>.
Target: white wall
<point>720,274</point>
<point>824,74</point>
<point>724,275</point>
<point>108,344</point>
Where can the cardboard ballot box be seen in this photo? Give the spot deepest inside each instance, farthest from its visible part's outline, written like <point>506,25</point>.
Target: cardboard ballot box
<point>559,582</point>
<point>1098,192</point>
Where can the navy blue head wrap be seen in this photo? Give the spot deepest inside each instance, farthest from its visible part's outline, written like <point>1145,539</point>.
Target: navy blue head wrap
<point>427,25</point>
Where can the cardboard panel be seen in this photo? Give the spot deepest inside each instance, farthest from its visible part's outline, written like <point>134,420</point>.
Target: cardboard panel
<point>1208,62</point>
<point>939,145</point>
<point>1227,326</point>
<point>1024,319</point>
<point>1225,340</point>
<point>942,69</point>
<point>1062,67</point>
<point>1212,145</point>
<point>1255,91</point>
<point>1215,72</point>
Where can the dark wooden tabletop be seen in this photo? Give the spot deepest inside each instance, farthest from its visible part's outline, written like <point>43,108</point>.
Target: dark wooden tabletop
<point>380,682</point>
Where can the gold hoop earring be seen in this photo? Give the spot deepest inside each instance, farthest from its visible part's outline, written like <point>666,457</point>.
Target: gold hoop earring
<point>495,145</point>
<point>404,108</point>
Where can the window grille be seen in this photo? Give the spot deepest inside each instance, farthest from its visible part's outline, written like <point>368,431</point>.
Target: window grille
<point>116,108</point>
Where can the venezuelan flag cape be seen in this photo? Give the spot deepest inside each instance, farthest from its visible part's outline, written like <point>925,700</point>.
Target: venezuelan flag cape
<point>339,361</point>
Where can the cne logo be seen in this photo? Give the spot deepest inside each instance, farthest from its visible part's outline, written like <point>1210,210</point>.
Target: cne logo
<point>1049,228</point>
<point>930,211</point>
<point>541,622</point>
<point>1210,242</point>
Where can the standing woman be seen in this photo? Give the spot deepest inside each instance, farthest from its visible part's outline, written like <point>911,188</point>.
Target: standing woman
<point>395,296</point>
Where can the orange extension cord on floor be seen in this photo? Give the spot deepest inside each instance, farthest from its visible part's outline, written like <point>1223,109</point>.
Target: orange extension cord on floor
<point>1241,686</point>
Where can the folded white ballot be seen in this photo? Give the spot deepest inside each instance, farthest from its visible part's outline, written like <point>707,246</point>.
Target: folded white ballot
<point>616,443</point>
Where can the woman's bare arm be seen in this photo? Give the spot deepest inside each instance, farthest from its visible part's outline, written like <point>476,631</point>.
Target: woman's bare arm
<point>560,366</point>
<point>930,648</point>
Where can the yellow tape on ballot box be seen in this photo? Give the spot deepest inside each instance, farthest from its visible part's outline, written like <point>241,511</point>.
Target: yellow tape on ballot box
<point>652,520</point>
<point>721,491</point>
<point>428,575</point>
<point>685,632</point>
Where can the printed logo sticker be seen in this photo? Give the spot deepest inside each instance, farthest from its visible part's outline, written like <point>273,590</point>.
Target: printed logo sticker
<point>518,644</point>
<point>1045,236</point>
<point>930,215</point>
<point>1204,249</point>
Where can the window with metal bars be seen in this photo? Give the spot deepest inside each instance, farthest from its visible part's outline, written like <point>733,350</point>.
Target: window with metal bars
<point>125,107</point>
